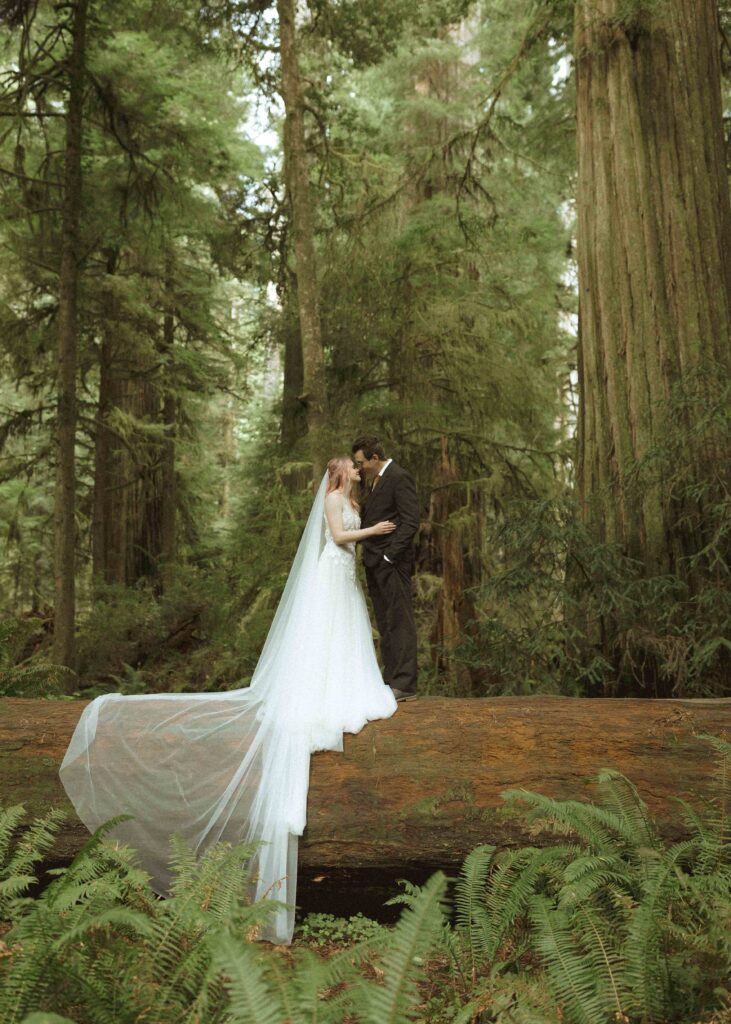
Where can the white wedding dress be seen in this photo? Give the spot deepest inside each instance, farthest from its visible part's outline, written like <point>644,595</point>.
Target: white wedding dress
<point>235,765</point>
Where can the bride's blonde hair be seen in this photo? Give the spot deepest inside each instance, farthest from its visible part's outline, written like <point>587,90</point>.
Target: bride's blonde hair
<point>337,477</point>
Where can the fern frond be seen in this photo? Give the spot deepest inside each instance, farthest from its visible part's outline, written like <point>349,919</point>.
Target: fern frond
<point>252,1000</point>
<point>596,826</point>
<point>643,951</point>
<point>472,919</point>
<point>417,930</point>
<point>33,843</point>
<point>24,985</point>
<point>600,945</point>
<point>592,872</point>
<point>408,897</point>
<point>183,864</point>
<point>306,985</point>
<point>17,862</point>
<point>621,796</point>
<point>121,917</point>
<point>515,879</point>
<point>569,973</point>
<point>10,819</point>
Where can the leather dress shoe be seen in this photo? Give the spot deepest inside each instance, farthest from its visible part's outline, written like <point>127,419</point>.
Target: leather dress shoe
<point>403,694</point>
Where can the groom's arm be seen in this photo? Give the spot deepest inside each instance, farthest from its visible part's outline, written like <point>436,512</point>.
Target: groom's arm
<point>407,506</point>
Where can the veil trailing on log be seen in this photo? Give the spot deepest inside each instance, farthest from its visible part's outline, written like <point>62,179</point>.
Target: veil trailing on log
<point>219,766</point>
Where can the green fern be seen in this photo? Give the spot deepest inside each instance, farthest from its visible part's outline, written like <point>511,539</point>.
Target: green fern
<point>569,971</point>
<point>20,855</point>
<point>418,929</point>
<point>252,999</point>
<point>472,920</point>
<point>615,924</point>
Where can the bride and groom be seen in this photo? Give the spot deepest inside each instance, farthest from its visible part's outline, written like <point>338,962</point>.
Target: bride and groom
<point>234,766</point>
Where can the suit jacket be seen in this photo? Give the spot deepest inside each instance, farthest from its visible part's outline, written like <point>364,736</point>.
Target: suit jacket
<point>394,497</point>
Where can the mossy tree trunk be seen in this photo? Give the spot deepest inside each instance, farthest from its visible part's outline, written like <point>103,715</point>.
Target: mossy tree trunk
<point>64,648</point>
<point>297,181</point>
<point>654,256</point>
<point>168,479</point>
<point>293,418</point>
<point>133,473</point>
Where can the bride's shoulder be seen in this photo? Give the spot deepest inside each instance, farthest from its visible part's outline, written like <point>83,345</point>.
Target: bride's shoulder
<point>335,499</point>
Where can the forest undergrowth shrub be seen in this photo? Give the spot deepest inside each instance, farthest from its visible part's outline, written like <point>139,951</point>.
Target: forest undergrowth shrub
<point>98,946</point>
<point>328,929</point>
<point>23,672</point>
<point>557,610</point>
<point>568,615</point>
<point>133,640</point>
<point>608,923</point>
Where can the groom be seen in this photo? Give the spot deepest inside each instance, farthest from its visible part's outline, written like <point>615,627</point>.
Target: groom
<point>389,560</point>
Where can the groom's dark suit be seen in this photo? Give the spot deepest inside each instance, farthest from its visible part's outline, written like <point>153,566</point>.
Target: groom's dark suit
<point>389,582</point>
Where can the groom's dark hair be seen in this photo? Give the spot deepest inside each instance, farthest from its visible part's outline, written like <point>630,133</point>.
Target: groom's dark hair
<point>369,445</point>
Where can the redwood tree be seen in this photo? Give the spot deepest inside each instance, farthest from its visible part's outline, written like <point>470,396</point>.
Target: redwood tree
<point>301,203</point>
<point>654,251</point>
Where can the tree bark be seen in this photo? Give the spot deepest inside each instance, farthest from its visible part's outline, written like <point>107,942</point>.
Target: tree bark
<point>654,254</point>
<point>454,606</point>
<point>168,481</point>
<point>133,526</point>
<point>422,788</point>
<point>128,483</point>
<point>294,419</point>
<point>296,174</point>
<point>64,643</point>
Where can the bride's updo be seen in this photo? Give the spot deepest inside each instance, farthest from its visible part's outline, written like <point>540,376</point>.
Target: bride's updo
<point>338,478</point>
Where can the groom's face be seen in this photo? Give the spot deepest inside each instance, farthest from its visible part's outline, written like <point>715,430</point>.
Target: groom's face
<point>367,467</point>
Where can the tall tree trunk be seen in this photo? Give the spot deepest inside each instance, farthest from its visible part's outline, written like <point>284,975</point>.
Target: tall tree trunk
<point>654,252</point>
<point>168,483</point>
<point>129,469</point>
<point>298,186</point>
<point>455,608</point>
<point>294,419</point>
<point>103,436</point>
<point>227,458</point>
<point>64,647</point>
<point>445,553</point>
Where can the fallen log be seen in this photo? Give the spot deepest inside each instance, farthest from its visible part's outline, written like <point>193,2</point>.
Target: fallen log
<point>421,789</point>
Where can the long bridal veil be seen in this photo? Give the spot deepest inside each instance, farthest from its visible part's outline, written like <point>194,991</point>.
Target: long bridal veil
<point>217,766</point>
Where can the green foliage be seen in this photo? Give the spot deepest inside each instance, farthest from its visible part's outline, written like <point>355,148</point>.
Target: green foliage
<point>441,141</point>
<point>98,945</point>
<point>562,611</point>
<point>21,674</point>
<point>611,926</point>
<point>327,929</point>
<point>608,924</point>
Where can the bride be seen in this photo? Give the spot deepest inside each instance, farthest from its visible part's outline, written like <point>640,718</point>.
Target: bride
<point>235,765</point>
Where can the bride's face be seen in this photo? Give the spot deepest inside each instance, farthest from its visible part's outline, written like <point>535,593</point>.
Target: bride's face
<point>354,474</point>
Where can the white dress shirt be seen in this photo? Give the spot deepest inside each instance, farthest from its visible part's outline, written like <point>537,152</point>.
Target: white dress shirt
<point>382,471</point>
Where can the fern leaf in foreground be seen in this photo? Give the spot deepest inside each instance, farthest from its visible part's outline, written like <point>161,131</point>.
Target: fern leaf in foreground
<point>252,999</point>
<point>417,930</point>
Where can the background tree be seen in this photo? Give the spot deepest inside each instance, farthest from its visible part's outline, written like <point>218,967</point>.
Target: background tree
<point>654,245</point>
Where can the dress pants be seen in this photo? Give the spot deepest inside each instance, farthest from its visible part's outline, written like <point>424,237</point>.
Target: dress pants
<point>389,586</point>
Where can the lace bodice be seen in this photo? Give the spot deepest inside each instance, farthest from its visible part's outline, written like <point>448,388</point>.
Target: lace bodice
<point>343,553</point>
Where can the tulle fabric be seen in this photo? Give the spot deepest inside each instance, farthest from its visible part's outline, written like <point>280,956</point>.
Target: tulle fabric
<point>235,766</point>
